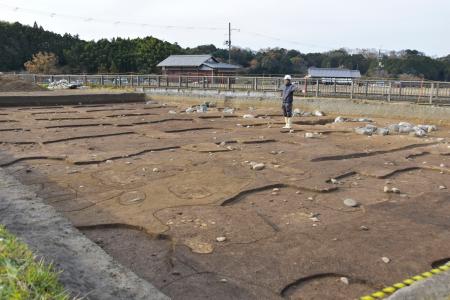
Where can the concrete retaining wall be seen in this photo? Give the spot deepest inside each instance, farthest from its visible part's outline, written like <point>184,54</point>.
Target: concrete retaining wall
<point>335,106</point>
<point>59,98</point>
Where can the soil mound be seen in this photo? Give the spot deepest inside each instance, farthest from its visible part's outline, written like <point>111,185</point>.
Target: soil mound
<point>14,84</point>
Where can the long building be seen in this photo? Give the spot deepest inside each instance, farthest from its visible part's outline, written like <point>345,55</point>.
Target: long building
<point>197,65</point>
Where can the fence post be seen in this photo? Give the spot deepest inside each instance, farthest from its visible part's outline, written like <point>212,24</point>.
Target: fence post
<point>367,89</point>
<point>52,78</point>
<point>102,80</point>
<point>229,82</point>
<point>85,80</point>
<point>158,80</point>
<point>179,81</point>
<point>389,92</point>
<point>120,81</point>
<point>34,78</point>
<point>335,88</point>
<point>317,87</point>
<point>255,83</point>
<point>351,90</point>
<point>437,90</point>
<point>431,92</point>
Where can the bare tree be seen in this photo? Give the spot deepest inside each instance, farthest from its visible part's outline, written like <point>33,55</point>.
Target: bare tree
<point>42,63</point>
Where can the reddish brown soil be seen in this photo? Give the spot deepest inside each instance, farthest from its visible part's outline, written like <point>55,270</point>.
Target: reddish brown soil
<point>156,189</point>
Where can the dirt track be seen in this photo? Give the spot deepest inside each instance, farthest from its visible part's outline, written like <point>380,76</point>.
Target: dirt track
<point>156,189</point>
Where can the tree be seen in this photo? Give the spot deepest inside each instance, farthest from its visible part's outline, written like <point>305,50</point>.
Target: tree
<point>42,63</point>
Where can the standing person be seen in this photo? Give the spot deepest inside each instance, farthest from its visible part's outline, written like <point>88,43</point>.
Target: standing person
<point>288,98</point>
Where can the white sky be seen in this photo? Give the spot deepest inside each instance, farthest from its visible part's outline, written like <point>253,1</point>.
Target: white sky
<point>305,25</point>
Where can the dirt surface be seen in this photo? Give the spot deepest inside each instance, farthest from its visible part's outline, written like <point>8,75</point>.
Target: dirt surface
<point>14,84</point>
<point>155,189</point>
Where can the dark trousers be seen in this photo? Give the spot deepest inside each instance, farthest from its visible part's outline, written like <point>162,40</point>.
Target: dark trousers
<point>287,109</point>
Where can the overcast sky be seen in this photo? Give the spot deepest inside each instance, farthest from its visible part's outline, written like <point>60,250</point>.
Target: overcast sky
<point>305,25</point>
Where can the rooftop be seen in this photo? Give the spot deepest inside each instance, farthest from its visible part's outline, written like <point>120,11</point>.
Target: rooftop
<point>333,73</point>
<point>195,61</point>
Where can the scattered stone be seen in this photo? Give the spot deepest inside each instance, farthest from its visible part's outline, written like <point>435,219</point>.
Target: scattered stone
<point>156,170</point>
<point>248,116</point>
<point>223,280</point>
<point>276,190</point>
<point>318,113</point>
<point>364,228</point>
<point>369,129</point>
<point>314,219</point>
<point>172,112</point>
<point>221,239</point>
<point>334,181</point>
<point>109,161</point>
<point>386,260</point>
<point>311,135</point>
<point>394,128</point>
<point>442,187</point>
<point>344,280</point>
<point>190,110</point>
<point>350,202</point>
<point>297,112</point>
<point>395,190</point>
<point>339,120</point>
<point>228,110</point>
<point>222,144</point>
<point>258,166</point>
<point>382,131</point>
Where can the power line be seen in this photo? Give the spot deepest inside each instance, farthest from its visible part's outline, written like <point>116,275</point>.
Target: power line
<point>175,27</point>
<point>107,21</point>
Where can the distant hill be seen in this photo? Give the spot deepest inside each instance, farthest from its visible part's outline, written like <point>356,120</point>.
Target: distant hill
<point>19,42</point>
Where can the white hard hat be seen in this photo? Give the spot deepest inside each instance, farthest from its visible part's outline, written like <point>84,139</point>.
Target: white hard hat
<point>287,77</point>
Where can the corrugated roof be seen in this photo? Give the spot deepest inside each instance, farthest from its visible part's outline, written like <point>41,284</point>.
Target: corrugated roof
<point>333,73</point>
<point>221,65</point>
<point>185,60</point>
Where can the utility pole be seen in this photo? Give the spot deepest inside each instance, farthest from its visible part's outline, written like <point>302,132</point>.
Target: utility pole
<point>229,42</point>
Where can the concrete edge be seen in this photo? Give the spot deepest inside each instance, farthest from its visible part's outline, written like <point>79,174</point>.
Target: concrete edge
<point>433,288</point>
<point>372,108</point>
<point>86,270</point>
<point>70,99</point>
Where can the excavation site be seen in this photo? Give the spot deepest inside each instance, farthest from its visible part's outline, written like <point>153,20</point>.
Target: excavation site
<point>208,201</point>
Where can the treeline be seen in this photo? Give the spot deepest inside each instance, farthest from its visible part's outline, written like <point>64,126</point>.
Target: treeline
<point>18,43</point>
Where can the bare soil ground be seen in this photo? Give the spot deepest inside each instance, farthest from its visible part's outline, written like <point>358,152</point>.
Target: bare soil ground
<point>9,83</point>
<point>155,189</point>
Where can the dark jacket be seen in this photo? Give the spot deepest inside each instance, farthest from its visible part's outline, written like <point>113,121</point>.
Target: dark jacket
<point>288,93</point>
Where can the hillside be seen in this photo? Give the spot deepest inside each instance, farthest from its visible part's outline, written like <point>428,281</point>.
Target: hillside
<point>141,55</point>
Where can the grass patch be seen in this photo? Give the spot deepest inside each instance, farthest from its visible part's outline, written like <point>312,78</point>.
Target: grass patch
<point>22,276</point>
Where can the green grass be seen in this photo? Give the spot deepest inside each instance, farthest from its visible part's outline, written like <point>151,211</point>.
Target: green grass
<point>22,276</point>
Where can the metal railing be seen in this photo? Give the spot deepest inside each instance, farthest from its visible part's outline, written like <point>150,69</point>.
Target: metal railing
<point>423,92</point>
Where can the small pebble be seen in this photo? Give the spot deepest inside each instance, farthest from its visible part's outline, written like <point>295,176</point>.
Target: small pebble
<point>386,260</point>
<point>344,280</point>
<point>364,228</point>
<point>221,239</point>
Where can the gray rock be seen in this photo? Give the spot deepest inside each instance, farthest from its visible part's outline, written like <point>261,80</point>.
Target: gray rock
<point>258,166</point>
<point>228,110</point>
<point>318,113</point>
<point>350,202</point>
<point>339,120</point>
<point>382,131</point>
<point>394,128</point>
